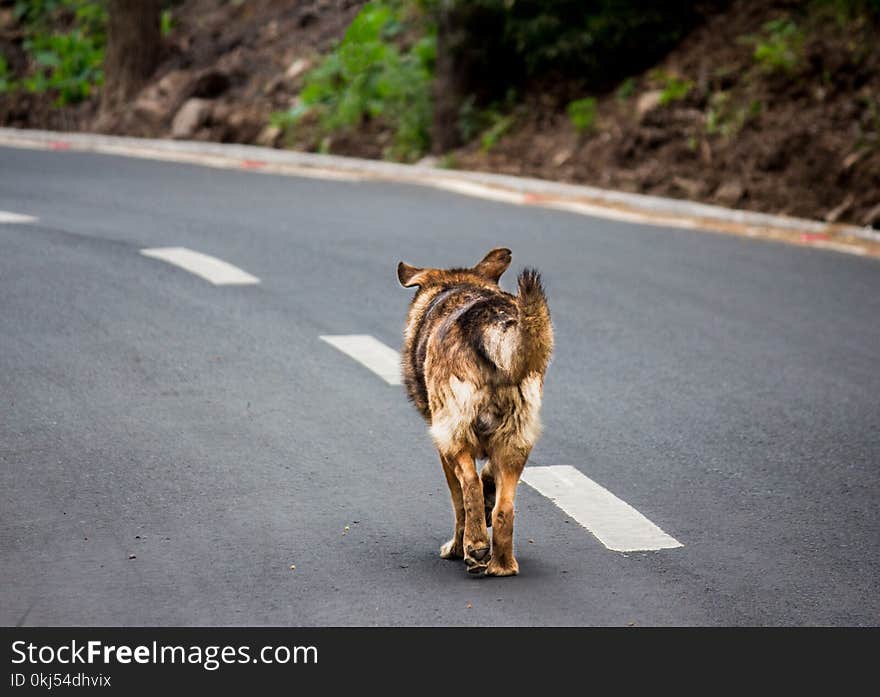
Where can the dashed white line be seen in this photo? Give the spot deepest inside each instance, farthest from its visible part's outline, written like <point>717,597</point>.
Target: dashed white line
<point>8,217</point>
<point>371,353</point>
<point>212,269</point>
<point>615,523</point>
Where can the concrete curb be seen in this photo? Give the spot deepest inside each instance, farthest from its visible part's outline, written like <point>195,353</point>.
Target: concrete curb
<point>586,200</point>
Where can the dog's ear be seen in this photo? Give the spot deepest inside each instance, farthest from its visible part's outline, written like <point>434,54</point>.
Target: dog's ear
<point>494,264</point>
<point>409,276</point>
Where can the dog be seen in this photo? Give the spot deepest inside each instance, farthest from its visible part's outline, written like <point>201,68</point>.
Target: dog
<point>473,360</point>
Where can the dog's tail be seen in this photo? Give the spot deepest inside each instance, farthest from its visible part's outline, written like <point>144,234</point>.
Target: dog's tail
<point>536,332</point>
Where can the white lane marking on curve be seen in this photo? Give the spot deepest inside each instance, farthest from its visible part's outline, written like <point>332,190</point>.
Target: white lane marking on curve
<point>369,352</point>
<point>9,217</point>
<point>615,523</point>
<point>212,269</point>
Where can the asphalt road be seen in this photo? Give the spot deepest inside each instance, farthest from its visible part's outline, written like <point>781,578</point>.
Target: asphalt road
<point>727,389</point>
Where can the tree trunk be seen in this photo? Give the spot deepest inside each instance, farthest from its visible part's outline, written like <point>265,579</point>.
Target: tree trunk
<point>133,48</point>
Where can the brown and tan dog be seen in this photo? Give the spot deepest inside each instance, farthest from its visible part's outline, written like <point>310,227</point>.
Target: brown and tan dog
<point>474,359</point>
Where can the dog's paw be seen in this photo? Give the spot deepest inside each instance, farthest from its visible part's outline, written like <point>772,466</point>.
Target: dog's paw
<point>497,568</point>
<point>477,560</point>
<point>452,550</point>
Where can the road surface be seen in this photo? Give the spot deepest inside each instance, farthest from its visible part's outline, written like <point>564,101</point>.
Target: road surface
<point>171,448</point>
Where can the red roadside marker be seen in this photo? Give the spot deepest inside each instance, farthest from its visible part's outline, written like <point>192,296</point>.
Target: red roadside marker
<point>814,236</point>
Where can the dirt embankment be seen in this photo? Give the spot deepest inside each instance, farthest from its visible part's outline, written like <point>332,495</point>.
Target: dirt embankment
<point>803,142</point>
<point>795,134</point>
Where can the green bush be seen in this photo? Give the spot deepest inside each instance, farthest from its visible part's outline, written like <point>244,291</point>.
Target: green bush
<point>582,113</point>
<point>66,63</point>
<point>368,76</point>
<point>69,64</point>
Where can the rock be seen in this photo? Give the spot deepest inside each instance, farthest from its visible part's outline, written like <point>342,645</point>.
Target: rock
<point>190,117</point>
<point>297,68</point>
<point>243,125</point>
<point>691,187</point>
<point>157,103</point>
<point>175,84</point>
<point>561,157</point>
<point>729,193</point>
<point>221,112</point>
<point>428,161</point>
<point>647,102</point>
<point>149,111</point>
<point>269,136</point>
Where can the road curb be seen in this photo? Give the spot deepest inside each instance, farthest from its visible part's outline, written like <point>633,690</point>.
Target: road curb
<point>585,200</point>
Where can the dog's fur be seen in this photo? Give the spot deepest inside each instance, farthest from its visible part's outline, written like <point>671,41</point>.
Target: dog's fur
<point>474,359</point>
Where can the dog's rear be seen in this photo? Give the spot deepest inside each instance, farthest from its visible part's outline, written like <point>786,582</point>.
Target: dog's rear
<point>474,359</point>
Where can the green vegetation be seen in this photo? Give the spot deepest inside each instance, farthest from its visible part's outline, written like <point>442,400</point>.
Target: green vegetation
<point>68,64</point>
<point>726,118</point>
<point>490,124</point>
<point>501,125</point>
<point>369,76</point>
<point>627,89</point>
<point>779,46</point>
<point>6,82</point>
<point>582,113</point>
<point>166,22</point>
<point>674,88</point>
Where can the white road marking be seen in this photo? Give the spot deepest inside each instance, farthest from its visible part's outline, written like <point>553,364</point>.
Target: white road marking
<point>7,217</point>
<point>369,352</point>
<point>212,269</point>
<point>616,524</point>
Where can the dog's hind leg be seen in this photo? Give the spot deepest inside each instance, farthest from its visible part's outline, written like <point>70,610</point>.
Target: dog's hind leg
<point>454,549</point>
<point>507,466</point>
<point>476,536</point>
